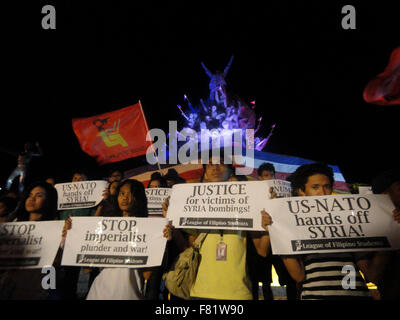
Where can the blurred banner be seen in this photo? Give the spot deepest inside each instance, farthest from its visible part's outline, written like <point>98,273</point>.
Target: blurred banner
<point>384,89</point>
<point>113,136</point>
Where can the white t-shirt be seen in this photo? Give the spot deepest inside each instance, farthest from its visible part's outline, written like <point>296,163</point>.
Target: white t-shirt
<point>117,284</point>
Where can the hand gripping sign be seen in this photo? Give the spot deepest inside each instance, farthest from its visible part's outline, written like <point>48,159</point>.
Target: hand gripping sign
<point>332,224</point>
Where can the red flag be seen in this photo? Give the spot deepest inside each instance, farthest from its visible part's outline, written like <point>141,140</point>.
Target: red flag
<point>113,136</point>
<point>385,88</point>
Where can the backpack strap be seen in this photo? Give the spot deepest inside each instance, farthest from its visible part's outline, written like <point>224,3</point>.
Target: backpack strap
<point>199,240</point>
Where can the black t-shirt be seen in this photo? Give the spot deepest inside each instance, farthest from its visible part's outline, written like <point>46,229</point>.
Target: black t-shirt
<point>389,287</point>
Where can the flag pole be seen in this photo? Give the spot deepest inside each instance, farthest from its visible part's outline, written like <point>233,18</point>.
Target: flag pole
<point>147,129</point>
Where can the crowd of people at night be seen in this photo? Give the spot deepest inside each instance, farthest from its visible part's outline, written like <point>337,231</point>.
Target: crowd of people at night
<point>250,259</point>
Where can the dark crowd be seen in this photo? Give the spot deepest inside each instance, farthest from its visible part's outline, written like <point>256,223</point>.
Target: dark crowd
<point>244,258</point>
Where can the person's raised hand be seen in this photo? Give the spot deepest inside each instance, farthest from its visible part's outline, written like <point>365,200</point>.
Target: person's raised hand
<point>167,232</point>
<point>165,206</point>
<point>67,226</point>
<point>266,220</point>
<point>273,193</point>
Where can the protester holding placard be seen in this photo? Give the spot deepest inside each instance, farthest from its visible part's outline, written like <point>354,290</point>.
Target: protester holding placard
<point>39,203</point>
<point>78,176</point>
<point>320,275</point>
<point>222,272</point>
<point>72,274</point>
<point>106,208</point>
<point>124,283</point>
<point>156,192</point>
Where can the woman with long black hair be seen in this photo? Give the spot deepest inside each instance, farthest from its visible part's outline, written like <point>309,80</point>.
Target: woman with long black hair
<point>124,283</point>
<point>38,203</point>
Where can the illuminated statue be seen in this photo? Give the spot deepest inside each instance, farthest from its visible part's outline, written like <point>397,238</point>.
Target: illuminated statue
<point>247,116</point>
<point>217,83</point>
<point>223,113</point>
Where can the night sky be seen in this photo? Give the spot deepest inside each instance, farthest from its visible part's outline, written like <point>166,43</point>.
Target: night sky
<point>306,73</point>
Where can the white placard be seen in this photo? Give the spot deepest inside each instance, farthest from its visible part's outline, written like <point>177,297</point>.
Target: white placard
<point>83,194</point>
<point>281,188</point>
<point>155,199</point>
<point>220,205</point>
<point>29,245</point>
<point>332,224</point>
<point>365,190</point>
<point>115,242</point>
